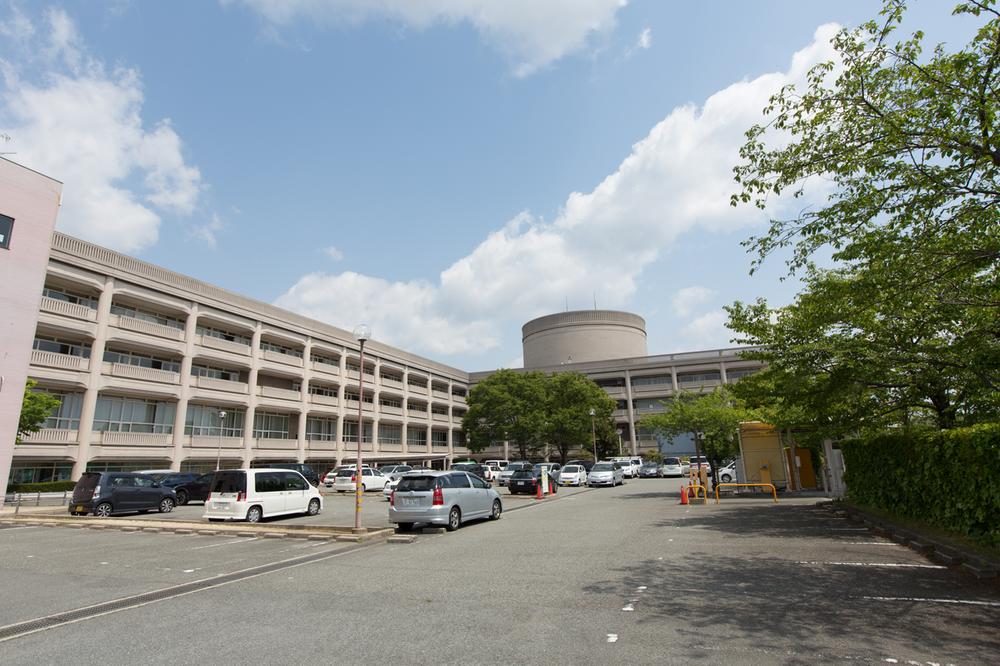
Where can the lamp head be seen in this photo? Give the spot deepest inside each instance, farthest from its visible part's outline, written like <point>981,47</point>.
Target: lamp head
<point>592,412</point>
<point>222,414</point>
<point>362,332</point>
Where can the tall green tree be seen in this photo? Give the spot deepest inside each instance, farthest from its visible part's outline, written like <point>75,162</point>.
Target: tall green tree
<point>37,407</point>
<point>712,418</point>
<point>507,406</point>
<point>571,396</point>
<point>905,329</point>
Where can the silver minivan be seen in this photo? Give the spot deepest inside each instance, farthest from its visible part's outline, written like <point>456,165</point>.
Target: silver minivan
<point>442,498</point>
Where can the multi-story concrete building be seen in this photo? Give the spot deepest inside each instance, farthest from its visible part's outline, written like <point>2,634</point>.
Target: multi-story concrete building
<point>158,370</point>
<point>154,369</point>
<point>610,347</point>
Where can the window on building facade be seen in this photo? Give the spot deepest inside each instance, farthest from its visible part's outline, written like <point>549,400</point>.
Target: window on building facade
<point>699,377</point>
<point>323,429</point>
<point>147,315</point>
<point>61,346</point>
<point>325,360</point>
<point>320,389</point>
<point>416,436</point>
<point>6,229</point>
<point>648,404</point>
<point>353,394</point>
<point>222,334</point>
<point>416,407</point>
<point>369,369</point>
<point>213,372</point>
<point>739,373</point>
<point>271,425</point>
<point>281,349</point>
<point>417,381</point>
<point>67,415</point>
<point>458,391</point>
<point>612,382</point>
<point>141,360</point>
<point>439,409</point>
<point>439,438</point>
<point>116,414</point>
<point>77,298</point>
<point>39,472</point>
<point>458,438</point>
<point>653,380</point>
<point>203,421</point>
<point>351,432</point>
<point>388,401</point>
<point>390,433</point>
<point>391,377</point>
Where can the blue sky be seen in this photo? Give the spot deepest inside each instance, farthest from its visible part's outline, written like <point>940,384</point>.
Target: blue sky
<point>443,171</point>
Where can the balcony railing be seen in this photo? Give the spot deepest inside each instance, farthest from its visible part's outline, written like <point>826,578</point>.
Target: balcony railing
<point>149,328</point>
<point>64,361</point>
<point>213,442</point>
<point>442,418</point>
<point>220,384</point>
<point>75,310</point>
<point>109,438</point>
<point>51,436</point>
<point>273,443</point>
<point>352,405</point>
<point>440,393</point>
<point>320,399</point>
<point>283,394</point>
<point>392,383</point>
<point>389,409</point>
<point>321,444</point>
<point>213,342</point>
<point>145,374</point>
<point>390,447</point>
<point>278,357</point>
<point>417,388</point>
<point>325,367</point>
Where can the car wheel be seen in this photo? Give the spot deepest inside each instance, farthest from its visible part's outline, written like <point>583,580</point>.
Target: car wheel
<point>254,514</point>
<point>405,527</point>
<point>182,497</point>
<point>103,510</point>
<point>166,505</point>
<point>726,478</point>
<point>454,519</point>
<point>313,507</point>
<point>497,510</point>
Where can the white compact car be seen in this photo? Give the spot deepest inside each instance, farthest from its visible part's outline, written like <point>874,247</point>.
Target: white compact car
<point>672,467</point>
<point>573,475</point>
<point>371,479</point>
<point>390,486</point>
<point>606,474</point>
<point>252,494</point>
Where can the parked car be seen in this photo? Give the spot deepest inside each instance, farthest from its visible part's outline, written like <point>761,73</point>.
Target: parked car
<point>606,474</point>
<point>260,492</point>
<point>697,463</point>
<point>175,479</point>
<point>685,467</point>
<point>727,474</point>
<point>509,471</point>
<point>471,468</point>
<point>491,471</point>
<point>107,493</point>
<point>442,498</point>
<point>526,481</point>
<point>550,467</point>
<point>573,475</point>
<point>305,470</point>
<point>157,474</point>
<point>650,470</point>
<point>586,464</point>
<point>390,486</point>
<point>502,464</point>
<point>196,490</point>
<point>371,479</point>
<point>394,471</point>
<point>672,467</point>
<point>629,469</point>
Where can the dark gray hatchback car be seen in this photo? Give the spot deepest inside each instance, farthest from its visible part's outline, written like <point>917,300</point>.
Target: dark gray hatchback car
<point>107,493</point>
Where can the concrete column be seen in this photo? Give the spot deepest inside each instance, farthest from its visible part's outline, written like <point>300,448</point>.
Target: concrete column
<point>180,417</point>
<point>406,411</point>
<point>252,402</point>
<point>376,394</point>
<point>631,413</point>
<point>304,412</point>
<point>722,372</point>
<point>673,378</point>
<point>94,381</point>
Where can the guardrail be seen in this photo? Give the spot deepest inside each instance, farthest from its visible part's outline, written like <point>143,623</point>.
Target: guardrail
<point>704,492</point>
<point>36,499</point>
<point>774,491</point>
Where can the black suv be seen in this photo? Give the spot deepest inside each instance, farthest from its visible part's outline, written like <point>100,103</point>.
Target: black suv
<point>303,469</point>
<point>106,493</point>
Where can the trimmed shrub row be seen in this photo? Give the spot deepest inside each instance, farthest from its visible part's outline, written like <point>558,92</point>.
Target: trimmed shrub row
<point>47,487</point>
<point>949,478</point>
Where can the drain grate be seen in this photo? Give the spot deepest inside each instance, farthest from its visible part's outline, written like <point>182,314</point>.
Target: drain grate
<point>12,631</point>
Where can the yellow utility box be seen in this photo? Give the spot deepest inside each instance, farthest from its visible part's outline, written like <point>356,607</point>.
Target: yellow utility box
<point>763,457</point>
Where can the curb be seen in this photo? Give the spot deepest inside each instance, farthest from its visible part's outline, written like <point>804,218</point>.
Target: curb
<point>934,549</point>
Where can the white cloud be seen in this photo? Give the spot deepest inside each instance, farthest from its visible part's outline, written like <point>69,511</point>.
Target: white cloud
<point>531,33</point>
<point>333,253</point>
<point>645,39</point>
<point>685,299</point>
<point>707,331</point>
<point>676,179</point>
<point>80,123</point>
<point>208,232</point>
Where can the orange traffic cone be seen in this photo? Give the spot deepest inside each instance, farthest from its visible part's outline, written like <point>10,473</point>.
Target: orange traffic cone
<point>538,494</point>
<point>684,495</point>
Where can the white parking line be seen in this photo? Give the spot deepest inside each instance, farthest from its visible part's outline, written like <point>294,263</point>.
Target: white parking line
<point>970,602</point>
<point>226,543</point>
<point>872,543</point>
<point>877,564</point>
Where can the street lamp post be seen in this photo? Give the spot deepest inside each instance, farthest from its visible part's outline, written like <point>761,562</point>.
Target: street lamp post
<point>593,433</point>
<point>362,333</point>
<point>218,455</point>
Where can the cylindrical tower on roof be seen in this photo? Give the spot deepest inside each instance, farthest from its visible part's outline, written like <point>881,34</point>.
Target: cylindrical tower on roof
<point>582,335</point>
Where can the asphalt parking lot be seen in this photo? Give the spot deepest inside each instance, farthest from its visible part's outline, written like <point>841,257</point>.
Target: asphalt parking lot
<point>616,575</point>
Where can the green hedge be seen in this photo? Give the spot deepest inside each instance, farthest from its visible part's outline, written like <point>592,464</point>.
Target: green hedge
<point>948,478</point>
<point>48,487</point>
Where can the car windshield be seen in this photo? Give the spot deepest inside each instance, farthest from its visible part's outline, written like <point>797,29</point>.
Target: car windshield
<point>346,473</point>
<point>386,469</point>
<point>571,469</point>
<point>523,474</point>
<point>415,483</point>
<point>672,461</point>
<point>601,467</point>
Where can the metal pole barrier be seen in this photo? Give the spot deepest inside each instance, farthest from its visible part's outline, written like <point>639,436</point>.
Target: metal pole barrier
<point>17,505</point>
<point>38,498</point>
<point>65,493</point>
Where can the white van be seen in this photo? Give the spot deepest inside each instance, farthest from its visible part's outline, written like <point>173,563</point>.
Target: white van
<point>630,465</point>
<point>502,464</point>
<point>252,494</point>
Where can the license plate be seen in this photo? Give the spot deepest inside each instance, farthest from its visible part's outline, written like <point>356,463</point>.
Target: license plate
<point>79,508</point>
<point>220,505</point>
<point>410,501</point>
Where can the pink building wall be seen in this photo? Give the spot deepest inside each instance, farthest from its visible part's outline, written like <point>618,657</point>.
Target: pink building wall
<point>33,201</point>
